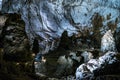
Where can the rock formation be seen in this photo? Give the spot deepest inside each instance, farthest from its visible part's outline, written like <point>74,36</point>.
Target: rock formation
<point>15,41</point>
<point>47,19</point>
<point>108,42</point>
<point>87,56</point>
<point>96,67</point>
<point>3,19</point>
<point>104,65</point>
<point>47,22</point>
<point>64,66</point>
<point>15,53</point>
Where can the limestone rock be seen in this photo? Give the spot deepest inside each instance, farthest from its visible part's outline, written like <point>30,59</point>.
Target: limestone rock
<point>87,56</point>
<point>47,19</point>
<point>108,42</point>
<point>94,66</point>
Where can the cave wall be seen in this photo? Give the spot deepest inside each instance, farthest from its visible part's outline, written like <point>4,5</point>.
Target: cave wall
<point>47,19</point>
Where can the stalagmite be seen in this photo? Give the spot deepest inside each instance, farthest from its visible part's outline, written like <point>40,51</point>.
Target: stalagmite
<point>108,42</point>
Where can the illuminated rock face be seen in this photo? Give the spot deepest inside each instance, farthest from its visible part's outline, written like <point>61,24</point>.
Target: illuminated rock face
<point>47,19</point>
<point>104,65</point>
<point>108,42</point>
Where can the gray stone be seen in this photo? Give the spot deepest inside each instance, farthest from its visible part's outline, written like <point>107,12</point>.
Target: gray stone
<point>108,42</point>
<point>87,70</point>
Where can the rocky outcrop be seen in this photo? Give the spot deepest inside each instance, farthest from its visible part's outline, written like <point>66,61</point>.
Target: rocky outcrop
<point>104,65</point>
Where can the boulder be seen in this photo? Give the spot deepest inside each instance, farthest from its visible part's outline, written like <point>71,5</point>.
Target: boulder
<point>97,67</point>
